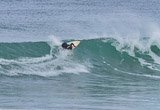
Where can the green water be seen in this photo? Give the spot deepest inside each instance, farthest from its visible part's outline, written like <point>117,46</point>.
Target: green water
<point>95,75</point>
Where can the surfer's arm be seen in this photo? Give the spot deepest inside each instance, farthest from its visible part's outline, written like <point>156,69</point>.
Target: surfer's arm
<point>72,45</point>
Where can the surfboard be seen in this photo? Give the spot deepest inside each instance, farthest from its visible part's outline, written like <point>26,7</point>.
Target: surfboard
<point>76,43</point>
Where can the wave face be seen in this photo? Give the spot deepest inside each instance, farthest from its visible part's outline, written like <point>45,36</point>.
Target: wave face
<point>29,49</point>
<point>91,56</point>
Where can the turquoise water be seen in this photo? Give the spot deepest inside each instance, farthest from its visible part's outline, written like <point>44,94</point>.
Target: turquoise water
<point>115,67</point>
<point>95,75</point>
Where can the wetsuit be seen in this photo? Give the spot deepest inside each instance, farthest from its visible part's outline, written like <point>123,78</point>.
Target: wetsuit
<point>70,46</point>
<point>66,46</point>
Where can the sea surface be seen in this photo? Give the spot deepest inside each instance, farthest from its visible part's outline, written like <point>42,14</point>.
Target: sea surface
<point>115,67</point>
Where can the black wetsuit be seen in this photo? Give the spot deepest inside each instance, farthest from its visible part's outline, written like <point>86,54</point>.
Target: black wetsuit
<point>70,46</point>
<point>66,46</point>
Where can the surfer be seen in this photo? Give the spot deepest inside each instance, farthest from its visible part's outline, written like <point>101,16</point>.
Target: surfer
<point>68,46</point>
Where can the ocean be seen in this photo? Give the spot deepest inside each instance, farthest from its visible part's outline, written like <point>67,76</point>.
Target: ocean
<point>115,67</point>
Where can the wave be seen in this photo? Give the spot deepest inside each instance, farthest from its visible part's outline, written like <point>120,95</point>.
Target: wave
<point>104,55</point>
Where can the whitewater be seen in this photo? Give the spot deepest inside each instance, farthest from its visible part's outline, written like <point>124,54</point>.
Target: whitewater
<point>115,67</point>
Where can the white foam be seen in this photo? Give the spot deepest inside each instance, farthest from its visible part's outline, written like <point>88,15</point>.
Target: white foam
<point>54,40</point>
<point>50,65</point>
<point>143,43</point>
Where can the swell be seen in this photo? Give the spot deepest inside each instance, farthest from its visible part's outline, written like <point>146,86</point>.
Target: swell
<point>99,47</point>
<point>93,55</point>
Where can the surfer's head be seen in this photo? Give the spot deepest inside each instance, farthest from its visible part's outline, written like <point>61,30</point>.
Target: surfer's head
<point>65,45</point>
